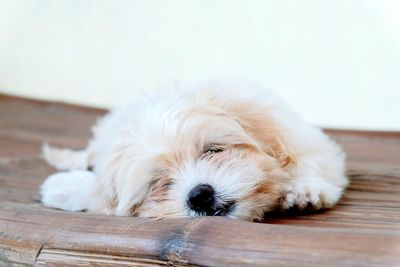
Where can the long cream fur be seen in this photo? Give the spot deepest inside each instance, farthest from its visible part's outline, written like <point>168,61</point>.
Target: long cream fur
<point>147,156</point>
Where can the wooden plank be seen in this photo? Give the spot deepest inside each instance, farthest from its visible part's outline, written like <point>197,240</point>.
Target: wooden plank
<point>202,242</point>
<point>363,230</point>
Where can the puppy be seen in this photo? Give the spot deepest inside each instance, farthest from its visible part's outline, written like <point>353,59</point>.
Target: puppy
<point>215,150</point>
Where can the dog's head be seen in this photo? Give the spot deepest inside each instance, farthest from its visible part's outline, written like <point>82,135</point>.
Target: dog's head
<point>208,155</point>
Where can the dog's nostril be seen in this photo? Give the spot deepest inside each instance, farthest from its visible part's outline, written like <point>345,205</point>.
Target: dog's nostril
<point>201,198</point>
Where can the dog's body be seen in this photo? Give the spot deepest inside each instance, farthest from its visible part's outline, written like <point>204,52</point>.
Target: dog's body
<point>216,150</point>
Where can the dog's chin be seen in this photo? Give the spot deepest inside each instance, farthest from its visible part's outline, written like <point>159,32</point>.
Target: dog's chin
<point>226,208</point>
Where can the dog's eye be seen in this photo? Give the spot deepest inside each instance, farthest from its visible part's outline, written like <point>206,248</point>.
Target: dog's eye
<point>213,150</point>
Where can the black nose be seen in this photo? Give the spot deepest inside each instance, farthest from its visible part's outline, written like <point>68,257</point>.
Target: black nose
<point>201,198</point>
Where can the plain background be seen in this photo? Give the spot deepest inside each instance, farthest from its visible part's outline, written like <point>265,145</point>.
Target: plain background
<point>337,63</point>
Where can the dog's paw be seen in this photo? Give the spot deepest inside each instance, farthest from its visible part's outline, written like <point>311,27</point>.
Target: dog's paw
<point>311,193</point>
<point>68,190</point>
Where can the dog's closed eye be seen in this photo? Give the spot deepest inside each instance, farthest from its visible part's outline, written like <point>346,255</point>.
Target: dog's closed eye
<point>213,149</point>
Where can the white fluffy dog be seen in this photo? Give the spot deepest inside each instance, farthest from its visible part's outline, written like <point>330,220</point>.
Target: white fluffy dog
<point>219,149</point>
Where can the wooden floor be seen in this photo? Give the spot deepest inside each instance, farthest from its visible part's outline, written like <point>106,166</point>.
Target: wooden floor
<point>363,230</point>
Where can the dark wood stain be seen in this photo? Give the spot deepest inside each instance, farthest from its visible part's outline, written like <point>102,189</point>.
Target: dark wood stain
<point>362,230</point>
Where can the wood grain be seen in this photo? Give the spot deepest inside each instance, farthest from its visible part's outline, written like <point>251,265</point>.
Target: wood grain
<point>363,230</point>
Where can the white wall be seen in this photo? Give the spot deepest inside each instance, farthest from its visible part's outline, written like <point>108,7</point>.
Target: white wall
<point>336,62</point>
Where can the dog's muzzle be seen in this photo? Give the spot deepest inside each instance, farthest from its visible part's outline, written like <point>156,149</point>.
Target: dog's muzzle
<point>204,201</point>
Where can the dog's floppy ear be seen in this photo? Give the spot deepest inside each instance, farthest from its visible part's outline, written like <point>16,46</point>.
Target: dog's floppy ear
<point>261,127</point>
<point>118,181</point>
<point>258,122</point>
